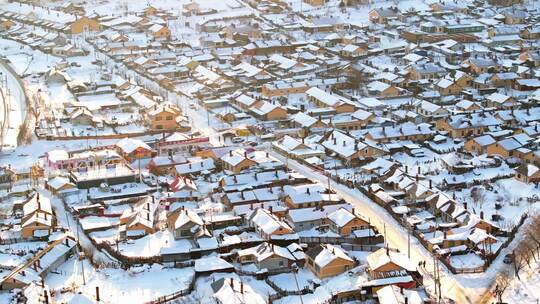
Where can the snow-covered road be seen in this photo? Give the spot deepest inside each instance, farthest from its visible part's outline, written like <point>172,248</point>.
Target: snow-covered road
<point>12,107</point>
<point>395,235</point>
<point>66,219</point>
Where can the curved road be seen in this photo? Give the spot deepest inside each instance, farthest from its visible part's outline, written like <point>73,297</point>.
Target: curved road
<point>395,235</point>
<point>13,109</point>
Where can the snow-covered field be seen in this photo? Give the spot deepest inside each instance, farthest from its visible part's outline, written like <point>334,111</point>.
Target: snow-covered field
<point>135,285</point>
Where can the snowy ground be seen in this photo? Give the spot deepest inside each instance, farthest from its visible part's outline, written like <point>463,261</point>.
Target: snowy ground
<point>203,291</point>
<point>525,291</point>
<point>464,261</point>
<point>287,281</point>
<point>12,108</point>
<point>136,285</point>
<point>151,245</point>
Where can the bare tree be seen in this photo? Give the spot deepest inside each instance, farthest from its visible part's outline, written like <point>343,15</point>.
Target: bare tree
<point>478,196</point>
<point>520,259</point>
<point>502,283</point>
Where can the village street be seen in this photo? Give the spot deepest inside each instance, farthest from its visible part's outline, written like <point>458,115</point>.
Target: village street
<point>396,236</point>
<point>12,107</point>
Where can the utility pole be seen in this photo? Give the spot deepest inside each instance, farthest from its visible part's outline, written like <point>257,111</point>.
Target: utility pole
<point>79,243</point>
<point>385,241</point>
<point>408,243</point>
<point>439,282</point>
<point>435,274</point>
<point>295,271</point>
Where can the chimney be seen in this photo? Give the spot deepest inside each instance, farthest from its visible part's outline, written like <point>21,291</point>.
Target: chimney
<point>465,205</point>
<point>406,169</point>
<point>232,283</point>
<point>387,251</point>
<point>344,143</point>
<point>445,235</point>
<point>242,194</point>
<point>230,153</point>
<point>271,209</point>
<point>245,154</point>
<point>481,215</point>
<point>353,211</point>
<point>406,300</point>
<point>267,155</point>
<point>251,206</point>
<point>97,293</point>
<point>419,171</point>
<point>335,141</point>
<point>147,216</point>
<point>430,184</point>
<point>241,287</point>
<point>417,178</point>
<point>307,190</point>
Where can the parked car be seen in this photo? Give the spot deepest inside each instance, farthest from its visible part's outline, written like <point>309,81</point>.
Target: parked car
<point>508,258</point>
<point>418,153</point>
<point>237,140</point>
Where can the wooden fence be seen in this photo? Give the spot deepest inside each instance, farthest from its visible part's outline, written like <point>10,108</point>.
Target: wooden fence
<point>175,295</point>
<point>489,259</point>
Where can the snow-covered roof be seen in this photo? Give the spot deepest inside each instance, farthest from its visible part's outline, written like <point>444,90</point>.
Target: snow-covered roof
<point>229,290</point>
<point>328,253</point>
<point>341,217</point>
<point>39,203</point>
<point>129,145</point>
<point>265,251</point>
<point>58,182</point>
<point>268,222</point>
<point>57,155</point>
<point>384,256</point>
<point>187,216</point>
<point>392,294</point>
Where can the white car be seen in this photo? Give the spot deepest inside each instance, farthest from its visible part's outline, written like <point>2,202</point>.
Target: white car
<point>237,140</point>
<point>418,153</point>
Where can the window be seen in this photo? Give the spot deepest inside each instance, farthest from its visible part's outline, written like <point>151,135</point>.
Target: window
<point>158,118</point>
<point>169,117</point>
<point>281,263</point>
